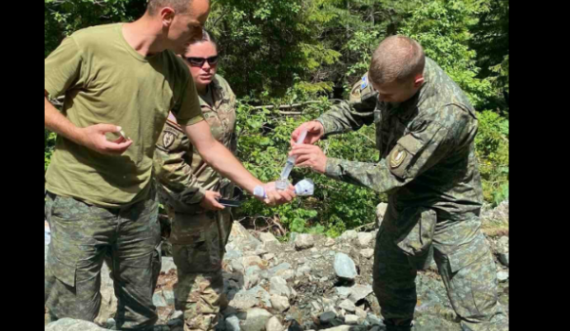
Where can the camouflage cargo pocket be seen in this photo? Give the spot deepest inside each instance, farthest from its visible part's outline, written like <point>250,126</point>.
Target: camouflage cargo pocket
<point>464,256</point>
<point>417,243</point>
<point>188,229</point>
<point>67,236</point>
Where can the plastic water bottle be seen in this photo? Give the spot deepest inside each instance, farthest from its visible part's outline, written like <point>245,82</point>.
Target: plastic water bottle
<point>282,183</point>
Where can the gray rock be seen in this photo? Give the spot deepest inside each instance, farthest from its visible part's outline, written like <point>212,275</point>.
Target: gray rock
<point>273,246</point>
<point>167,264</point>
<point>349,235</point>
<point>252,276</point>
<point>374,320</point>
<point>339,328</point>
<point>304,241</point>
<point>158,300</point>
<point>365,239</point>
<point>110,324</point>
<point>348,306</point>
<point>232,323</point>
<point>330,242</point>
<point>503,245</point>
<point>169,297</point>
<point>499,214</point>
<point>273,324</point>
<point>69,324</point>
<point>256,320</point>
<point>268,256</point>
<point>280,267</point>
<point>266,237</point>
<point>265,274</point>
<point>351,319</point>
<point>261,251</point>
<point>304,270</point>
<point>344,267</point>
<point>315,306</point>
<point>359,292</point>
<point>280,303</point>
<point>249,261</point>
<point>108,306</point>
<point>232,255</point>
<point>360,313</point>
<point>279,286</point>
<point>252,270</point>
<point>343,291</point>
<point>260,294</point>
<point>285,274</point>
<point>293,292</point>
<point>243,301</point>
<point>237,265</point>
<point>502,276</point>
<point>327,317</point>
<point>367,253</point>
<point>240,237</point>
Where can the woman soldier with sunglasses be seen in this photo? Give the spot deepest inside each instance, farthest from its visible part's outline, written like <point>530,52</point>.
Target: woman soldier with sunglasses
<point>189,189</point>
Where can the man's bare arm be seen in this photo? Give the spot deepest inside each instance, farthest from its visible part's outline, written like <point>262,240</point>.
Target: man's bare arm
<point>223,161</point>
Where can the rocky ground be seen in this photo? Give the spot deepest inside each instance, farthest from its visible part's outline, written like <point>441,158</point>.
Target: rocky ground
<point>309,283</point>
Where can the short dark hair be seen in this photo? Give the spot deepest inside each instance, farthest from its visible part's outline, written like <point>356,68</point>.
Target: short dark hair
<point>180,6</point>
<point>397,58</point>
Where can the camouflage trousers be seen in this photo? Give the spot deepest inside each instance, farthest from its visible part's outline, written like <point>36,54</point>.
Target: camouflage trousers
<point>82,236</point>
<point>198,245</point>
<point>407,241</point>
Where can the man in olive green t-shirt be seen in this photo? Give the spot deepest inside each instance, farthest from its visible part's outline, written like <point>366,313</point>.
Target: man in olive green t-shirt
<point>100,194</point>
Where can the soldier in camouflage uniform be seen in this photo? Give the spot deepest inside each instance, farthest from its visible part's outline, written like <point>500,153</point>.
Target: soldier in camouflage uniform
<point>189,189</point>
<point>425,129</point>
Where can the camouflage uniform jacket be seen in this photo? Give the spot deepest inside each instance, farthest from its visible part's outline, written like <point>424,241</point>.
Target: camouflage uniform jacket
<point>182,174</point>
<point>427,152</point>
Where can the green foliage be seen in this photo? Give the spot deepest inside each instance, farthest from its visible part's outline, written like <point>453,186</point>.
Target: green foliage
<point>49,145</point>
<point>492,145</point>
<point>491,42</point>
<point>442,28</point>
<point>63,17</point>
<point>264,137</point>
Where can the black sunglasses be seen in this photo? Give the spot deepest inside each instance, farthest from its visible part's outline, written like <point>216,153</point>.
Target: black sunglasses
<point>199,61</point>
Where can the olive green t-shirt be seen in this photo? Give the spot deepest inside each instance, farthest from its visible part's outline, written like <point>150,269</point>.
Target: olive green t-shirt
<point>106,81</point>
